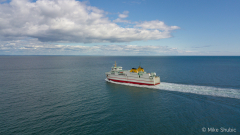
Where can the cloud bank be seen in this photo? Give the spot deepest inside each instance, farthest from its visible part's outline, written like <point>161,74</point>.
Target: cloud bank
<point>71,21</point>
<point>35,47</point>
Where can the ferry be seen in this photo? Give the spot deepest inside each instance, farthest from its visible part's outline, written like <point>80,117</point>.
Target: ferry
<point>133,76</point>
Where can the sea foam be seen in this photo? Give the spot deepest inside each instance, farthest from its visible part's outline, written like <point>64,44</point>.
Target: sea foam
<point>195,89</point>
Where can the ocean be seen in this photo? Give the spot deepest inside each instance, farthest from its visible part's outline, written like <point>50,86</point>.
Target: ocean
<point>70,95</point>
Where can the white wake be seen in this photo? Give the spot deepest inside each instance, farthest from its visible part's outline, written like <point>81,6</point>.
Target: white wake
<point>201,90</point>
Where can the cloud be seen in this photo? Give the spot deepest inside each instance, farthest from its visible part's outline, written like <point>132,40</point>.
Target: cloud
<point>35,47</point>
<point>120,20</point>
<point>202,46</point>
<point>71,21</point>
<point>124,15</point>
<point>137,50</point>
<point>32,46</point>
<point>159,25</point>
<point>121,16</point>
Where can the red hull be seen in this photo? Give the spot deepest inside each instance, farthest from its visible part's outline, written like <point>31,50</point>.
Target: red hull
<point>132,82</point>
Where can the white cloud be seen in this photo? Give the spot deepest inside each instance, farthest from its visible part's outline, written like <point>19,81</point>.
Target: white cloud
<point>121,18</point>
<point>31,46</point>
<point>70,21</point>
<point>159,25</point>
<point>34,47</point>
<point>124,15</point>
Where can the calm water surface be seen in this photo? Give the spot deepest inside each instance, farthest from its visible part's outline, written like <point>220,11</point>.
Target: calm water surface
<point>69,95</point>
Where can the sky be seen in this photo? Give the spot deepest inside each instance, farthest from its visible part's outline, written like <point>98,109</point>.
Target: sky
<point>120,27</point>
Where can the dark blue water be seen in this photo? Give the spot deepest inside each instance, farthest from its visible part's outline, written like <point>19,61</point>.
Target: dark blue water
<point>69,95</point>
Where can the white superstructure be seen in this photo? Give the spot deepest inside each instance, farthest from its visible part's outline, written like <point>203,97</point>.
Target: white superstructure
<point>134,76</point>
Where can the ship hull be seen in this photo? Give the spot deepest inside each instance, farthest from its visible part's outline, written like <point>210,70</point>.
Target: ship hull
<point>120,81</point>
<point>134,80</point>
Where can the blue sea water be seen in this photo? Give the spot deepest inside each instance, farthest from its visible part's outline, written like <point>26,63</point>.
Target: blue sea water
<point>69,95</point>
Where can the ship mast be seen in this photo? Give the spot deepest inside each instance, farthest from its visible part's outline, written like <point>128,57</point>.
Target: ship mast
<point>115,64</point>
